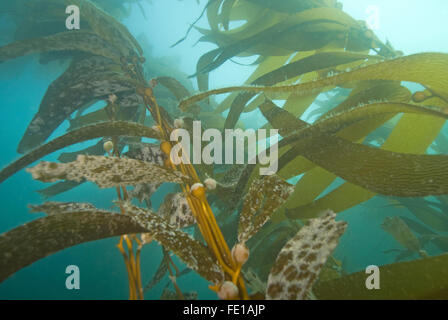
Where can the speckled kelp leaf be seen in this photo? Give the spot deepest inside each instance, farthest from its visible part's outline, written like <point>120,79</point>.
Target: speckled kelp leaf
<point>146,152</point>
<point>299,262</point>
<point>190,251</point>
<point>84,41</point>
<point>429,281</point>
<point>37,239</point>
<point>56,102</point>
<point>265,195</point>
<point>176,210</point>
<point>106,172</point>
<point>60,105</point>
<point>113,128</point>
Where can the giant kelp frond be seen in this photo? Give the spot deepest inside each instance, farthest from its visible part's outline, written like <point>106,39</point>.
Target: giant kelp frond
<point>24,245</point>
<point>106,172</point>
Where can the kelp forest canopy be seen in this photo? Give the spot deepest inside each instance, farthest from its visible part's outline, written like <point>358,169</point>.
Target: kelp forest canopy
<point>350,129</point>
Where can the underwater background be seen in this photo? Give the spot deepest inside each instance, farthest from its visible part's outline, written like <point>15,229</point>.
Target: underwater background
<point>413,26</point>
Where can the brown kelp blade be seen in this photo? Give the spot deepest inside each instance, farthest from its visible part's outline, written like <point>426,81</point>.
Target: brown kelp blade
<point>37,239</point>
<point>84,93</point>
<point>85,41</point>
<point>27,243</point>
<point>113,128</point>
<point>418,279</point>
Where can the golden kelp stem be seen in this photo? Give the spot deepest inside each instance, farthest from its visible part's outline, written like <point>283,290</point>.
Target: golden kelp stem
<point>200,207</point>
<point>132,262</point>
<point>131,281</point>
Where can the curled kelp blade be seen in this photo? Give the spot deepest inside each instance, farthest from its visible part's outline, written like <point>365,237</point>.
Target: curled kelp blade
<point>176,210</point>
<point>424,68</point>
<point>429,281</point>
<point>265,195</point>
<point>106,172</point>
<point>413,134</point>
<point>375,169</point>
<point>292,33</point>
<point>291,71</point>
<point>37,239</point>
<point>343,120</point>
<point>190,251</point>
<point>84,41</point>
<point>113,128</point>
<point>299,262</point>
<point>50,116</point>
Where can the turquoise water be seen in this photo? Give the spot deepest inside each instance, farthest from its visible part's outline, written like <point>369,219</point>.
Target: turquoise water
<point>23,82</point>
